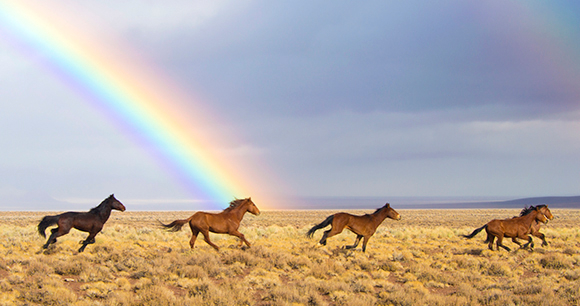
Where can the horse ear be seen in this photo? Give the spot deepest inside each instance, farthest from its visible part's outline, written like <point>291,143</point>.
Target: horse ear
<point>388,205</point>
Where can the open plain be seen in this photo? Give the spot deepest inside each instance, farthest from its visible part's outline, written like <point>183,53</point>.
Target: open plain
<point>420,260</point>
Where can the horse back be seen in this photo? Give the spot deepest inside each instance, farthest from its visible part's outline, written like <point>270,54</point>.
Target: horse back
<point>214,222</point>
<point>343,219</point>
<point>508,227</point>
<point>82,221</point>
<point>360,225</point>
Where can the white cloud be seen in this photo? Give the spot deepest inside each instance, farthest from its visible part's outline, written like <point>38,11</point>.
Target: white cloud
<point>360,152</point>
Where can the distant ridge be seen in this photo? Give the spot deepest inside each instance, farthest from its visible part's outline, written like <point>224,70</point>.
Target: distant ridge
<point>425,202</point>
<point>556,202</point>
<point>552,202</point>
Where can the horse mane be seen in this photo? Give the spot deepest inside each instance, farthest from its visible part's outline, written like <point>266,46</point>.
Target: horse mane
<point>235,203</point>
<point>379,209</point>
<point>528,210</point>
<point>99,208</point>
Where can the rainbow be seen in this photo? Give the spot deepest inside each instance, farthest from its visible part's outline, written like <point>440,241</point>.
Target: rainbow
<point>138,99</point>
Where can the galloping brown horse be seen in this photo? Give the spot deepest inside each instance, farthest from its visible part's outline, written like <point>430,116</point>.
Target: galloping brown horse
<point>517,227</point>
<point>91,222</point>
<point>535,229</point>
<point>363,226</point>
<point>225,222</point>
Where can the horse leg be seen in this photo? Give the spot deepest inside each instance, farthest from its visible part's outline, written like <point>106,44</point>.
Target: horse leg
<point>516,241</point>
<point>52,238</point>
<point>242,238</point>
<point>205,234</point>
<point>56,232</point>
<point>530,243</point>
<point>499,244</point>
<point>541,236</point>
<point>329,233</point>
<point>324,236</point>
<point>490,239</point>
<point>358,237</point>
<point>365,241</point>
<point>90,240</point>
<point>194,233</point>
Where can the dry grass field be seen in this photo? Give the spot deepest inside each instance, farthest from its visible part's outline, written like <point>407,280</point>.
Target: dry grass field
<point>420,260</point>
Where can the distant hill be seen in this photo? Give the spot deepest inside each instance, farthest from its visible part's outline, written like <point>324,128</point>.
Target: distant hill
<point>556,202</point>
<point>552,202</point>
<point>423,202</point>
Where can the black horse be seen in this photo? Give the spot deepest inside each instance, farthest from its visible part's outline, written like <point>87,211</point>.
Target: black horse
<point>91,222</point>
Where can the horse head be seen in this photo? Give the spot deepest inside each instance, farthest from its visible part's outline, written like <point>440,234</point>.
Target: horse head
<point>116,204</point>
<point>546,212</point>
<point>391,213</point>
<point>540,216</point>
<point>252,208</point>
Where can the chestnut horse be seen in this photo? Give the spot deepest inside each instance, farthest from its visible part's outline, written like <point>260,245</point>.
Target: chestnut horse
<point>535,229</point>
<point>225,222</point>
<point>91,222</point>
<point>517,227</point>
<point>363,226</point>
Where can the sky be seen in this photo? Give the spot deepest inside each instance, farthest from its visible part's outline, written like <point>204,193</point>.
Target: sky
<point>305,99</point>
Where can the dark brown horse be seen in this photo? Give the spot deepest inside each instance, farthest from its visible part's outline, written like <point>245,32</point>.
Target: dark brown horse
<point>535,229</point>
<point>91,222</point>
<point>363,226</point>
<point>225,222</point>
<point>517,227</point>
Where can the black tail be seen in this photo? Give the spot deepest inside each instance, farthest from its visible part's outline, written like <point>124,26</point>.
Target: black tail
<point>475,232</point>
<point>324,223</point>
<point>174,226</point>
<point>46,222</point>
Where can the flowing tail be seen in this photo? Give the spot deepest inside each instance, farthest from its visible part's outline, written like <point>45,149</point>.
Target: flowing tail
<point>176,225</point>
<point>324,223</point>
<point>46,222</point>
<point>475,232</point>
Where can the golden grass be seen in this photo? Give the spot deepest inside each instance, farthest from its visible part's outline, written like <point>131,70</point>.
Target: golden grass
<point>420,260</point>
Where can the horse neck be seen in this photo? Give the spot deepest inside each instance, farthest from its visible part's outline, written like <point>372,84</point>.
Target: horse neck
<point>103,211</point>
<point>380,215</point>
<point>239,211</point>
<point>531,217</point>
